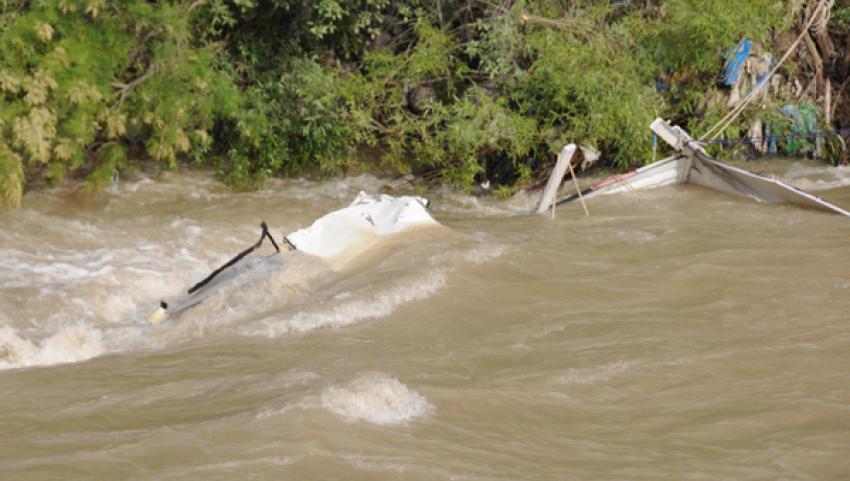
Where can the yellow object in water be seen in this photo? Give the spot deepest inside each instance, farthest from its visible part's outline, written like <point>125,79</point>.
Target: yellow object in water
<point>158,314</point>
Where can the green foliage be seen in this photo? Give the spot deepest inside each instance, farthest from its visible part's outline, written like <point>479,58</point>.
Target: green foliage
<point>840,18</point>
<point>456,123</point>
<point>693,35</point>
<point>461,90</point>
<point>85,82</point>
<point>11,178</point>
<point>309,116</point>
<point>589,89</point>
<point>685,43</point>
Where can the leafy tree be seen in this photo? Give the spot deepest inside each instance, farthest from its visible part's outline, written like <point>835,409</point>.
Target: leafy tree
<point>456,90</point>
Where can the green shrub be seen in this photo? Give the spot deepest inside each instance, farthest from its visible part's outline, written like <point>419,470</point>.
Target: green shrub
<point>449,89</point>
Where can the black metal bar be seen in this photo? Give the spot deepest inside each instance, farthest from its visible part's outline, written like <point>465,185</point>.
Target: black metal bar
<point>266,233</point>
<point>236,259</point>
<point>573,197</point>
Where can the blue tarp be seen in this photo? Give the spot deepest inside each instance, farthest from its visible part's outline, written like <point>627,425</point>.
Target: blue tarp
<point>732,69</point>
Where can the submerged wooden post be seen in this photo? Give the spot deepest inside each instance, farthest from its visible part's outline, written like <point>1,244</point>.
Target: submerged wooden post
<point>550,192</point>
<point>578,191</point>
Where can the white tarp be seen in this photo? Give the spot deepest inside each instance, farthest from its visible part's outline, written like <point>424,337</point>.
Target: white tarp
<point>344,234</point>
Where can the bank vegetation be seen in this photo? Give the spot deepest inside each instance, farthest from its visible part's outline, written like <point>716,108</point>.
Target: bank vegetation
<point>460,92</point>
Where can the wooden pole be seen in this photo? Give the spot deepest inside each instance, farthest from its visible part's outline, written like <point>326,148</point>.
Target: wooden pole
<point>578,189</point>
<point>549,195</point>
<point>827,103</point>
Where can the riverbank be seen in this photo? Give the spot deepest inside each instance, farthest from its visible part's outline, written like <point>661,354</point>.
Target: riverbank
<point>462,93</point>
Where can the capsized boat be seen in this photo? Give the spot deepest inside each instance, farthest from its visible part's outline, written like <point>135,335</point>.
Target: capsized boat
<point>347,233</point>
<point>693,165</point>
<point>337,238</point>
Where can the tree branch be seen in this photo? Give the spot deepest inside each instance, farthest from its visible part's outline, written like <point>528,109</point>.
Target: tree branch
<point>125,89</point>
<point>196,4</point>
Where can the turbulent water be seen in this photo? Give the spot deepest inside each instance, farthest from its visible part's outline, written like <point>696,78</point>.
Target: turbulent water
<point>680,335</point>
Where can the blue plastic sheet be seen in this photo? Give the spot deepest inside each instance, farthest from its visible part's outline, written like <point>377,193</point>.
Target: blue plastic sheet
<point>732,69</point>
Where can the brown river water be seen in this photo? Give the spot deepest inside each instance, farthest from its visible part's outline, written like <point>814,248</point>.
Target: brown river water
<point>684,335</point>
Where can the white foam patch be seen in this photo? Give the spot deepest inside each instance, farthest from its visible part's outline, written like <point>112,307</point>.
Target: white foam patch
<point>272,412</point>
<point>108,273</point>
<point>375,398</point>
<point>353,310</point>
<point>593,374</point>
<point>166,185</point>
<point>484,253</point>
<point>374,464</point>
<point>818,178</point>
<point>448,200</point>
<point>311,191</point>
<point>72,344</point>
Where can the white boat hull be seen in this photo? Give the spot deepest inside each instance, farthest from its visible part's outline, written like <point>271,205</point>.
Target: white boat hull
<point>694,166</point>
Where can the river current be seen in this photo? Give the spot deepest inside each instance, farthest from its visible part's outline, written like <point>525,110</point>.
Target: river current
<point>679,335</point>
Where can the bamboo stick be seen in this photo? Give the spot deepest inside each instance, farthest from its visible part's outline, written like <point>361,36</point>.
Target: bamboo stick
<point>578,189</point>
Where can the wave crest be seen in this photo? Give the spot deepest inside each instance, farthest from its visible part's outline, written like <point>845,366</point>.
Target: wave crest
<point>375,398</point>
<point>72,344</point>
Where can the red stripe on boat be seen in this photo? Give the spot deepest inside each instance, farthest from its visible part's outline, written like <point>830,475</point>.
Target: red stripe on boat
<point>614,178</point>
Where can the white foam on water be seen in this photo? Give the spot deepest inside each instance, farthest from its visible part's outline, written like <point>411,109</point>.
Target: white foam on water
<point>91,293</point>
<point>84,296</point>
<point>311,191</point>
<point>289,380</point>
<point>240,466</point>
<point>594,374</point>
<point>448,200</point>
<point>816,178</point>
<point>353,309</point>
<point>367,463</point>
<point>375,398</point>
<point>27,270</point>
<point>484,253</point>
<point>268,412</point>
<point>247,296</point>
<point>146,190</point>
<point>72,344</point>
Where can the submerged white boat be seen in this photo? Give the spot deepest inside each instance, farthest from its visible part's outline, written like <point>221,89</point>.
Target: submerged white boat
<point>337,238</point>
<point>693,165</point>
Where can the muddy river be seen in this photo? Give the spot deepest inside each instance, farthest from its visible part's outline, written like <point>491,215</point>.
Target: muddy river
<point>682,335</point>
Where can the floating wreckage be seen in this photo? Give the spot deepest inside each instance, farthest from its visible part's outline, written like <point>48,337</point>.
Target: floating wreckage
<point>346,234</point>
<point>337,238</point>
<point>691,165</point>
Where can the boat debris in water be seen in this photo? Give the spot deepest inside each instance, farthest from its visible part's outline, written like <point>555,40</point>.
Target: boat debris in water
<point>691,165</point>
<point>346,234</point>
<point>337,238</point>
